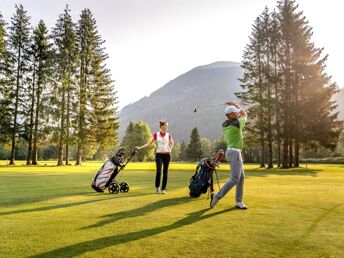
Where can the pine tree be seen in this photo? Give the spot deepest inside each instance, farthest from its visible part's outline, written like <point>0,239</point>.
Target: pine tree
<point>5,82</point>
<point>194,149</point>
<point>30,104</point>
<point>308,89</point>
<point>64,35</point>
<point>183,152</point>
<point>19,43</point>
<point>98,116</point>
<point>42,63</point>
<point>286,87</point>
<point>268,79</point>
<point>275,80</point>
<point>253,82</point>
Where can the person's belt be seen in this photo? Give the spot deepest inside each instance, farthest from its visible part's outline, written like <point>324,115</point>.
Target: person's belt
<point>231,148</point>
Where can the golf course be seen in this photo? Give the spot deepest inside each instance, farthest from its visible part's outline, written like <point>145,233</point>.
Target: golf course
<point>50,211</point>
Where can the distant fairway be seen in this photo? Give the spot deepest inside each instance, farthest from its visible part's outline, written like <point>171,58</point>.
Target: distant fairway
<point>48,211</point>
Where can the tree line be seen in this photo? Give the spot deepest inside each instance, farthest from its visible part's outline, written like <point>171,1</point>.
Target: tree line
<point>55,87</point>
<point>139,133</point>
<point>286,89</point>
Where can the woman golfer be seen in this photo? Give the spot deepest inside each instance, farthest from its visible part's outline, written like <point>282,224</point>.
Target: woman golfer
<point>164,144</point>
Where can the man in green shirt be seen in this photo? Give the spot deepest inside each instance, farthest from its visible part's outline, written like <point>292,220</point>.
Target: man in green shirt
<point>232,130</point>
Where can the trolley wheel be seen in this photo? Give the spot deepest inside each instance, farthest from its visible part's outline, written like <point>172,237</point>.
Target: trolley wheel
<point>114,188</point>
<point>124,187</point>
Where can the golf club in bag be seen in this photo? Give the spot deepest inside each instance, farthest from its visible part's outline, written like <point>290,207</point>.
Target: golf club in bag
<point>203,180</point>
<point>105,177</point>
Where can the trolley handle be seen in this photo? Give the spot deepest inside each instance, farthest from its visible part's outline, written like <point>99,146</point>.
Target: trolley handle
<point>131,156</point>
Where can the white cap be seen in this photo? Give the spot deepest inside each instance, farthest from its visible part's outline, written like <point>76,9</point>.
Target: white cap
<point>231,109</point>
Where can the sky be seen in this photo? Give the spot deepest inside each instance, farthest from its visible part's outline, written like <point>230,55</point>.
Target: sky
<point>151,42</point>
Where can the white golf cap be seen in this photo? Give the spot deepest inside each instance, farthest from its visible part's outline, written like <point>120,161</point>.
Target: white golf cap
<point>231,109</point>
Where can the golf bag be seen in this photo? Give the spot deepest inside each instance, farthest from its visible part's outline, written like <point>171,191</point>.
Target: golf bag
<point>202,180</point>
<point>105,177</point>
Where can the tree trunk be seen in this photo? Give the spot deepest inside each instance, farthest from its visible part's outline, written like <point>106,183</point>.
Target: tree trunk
<point>285,154</point>
<point>12,158</point>
<point>277,110</point>
<point>67,127</point>
<point>286,136</point>
<point>286,110</point>
<point>270,165</point>
<point>62,129</point>
<point>262,150</point>
<point>83,83</point>
<point>291,158</point>
<point>67,151</point>
<point>29,151</point>
<point>35,134</point>
<point>78,155</point>
<point>297,154</point>
<point>278,145</point>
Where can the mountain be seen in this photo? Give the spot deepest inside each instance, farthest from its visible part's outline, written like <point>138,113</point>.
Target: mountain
<point>209,84</point>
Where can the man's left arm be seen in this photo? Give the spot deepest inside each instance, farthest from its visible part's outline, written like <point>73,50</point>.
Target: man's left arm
<point>242,111</point>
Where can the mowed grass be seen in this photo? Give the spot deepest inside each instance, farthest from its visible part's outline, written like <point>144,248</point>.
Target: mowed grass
<point>50,211</point>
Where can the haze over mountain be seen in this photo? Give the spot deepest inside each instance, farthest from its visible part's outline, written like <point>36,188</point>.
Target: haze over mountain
<point>208,84</point>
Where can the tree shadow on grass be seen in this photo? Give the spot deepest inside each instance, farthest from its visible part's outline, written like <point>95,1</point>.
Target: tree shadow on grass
<point>297,245</point>
<point>109,218</point>
<point>40,196</point>
<point>28,166</point>
<point>315,223</point>
<point>66,205</point>
<point>104,242</point>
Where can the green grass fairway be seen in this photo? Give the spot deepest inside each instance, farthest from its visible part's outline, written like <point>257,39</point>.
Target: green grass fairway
<point>47,211</point>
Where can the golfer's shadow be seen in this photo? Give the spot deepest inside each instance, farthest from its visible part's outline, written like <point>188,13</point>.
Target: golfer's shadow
<point>141,211</point>
<point>104,242</point>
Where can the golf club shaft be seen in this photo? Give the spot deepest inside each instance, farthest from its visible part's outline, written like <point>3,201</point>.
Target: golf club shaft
<point>212,105</point>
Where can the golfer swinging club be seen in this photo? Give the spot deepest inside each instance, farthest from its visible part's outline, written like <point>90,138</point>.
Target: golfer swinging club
<point>164,145</point>
<point>232,130</point>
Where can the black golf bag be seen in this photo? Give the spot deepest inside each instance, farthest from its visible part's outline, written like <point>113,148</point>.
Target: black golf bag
<point>105,177</point>
<point>203,180</point>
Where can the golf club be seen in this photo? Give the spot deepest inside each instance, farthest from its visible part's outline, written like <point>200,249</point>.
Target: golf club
<point>211,105</point>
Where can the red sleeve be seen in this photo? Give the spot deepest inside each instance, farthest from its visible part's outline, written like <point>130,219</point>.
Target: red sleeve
<point>154,136</point>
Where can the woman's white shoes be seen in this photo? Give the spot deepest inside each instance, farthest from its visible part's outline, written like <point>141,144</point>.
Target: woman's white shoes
<point>160,192</point>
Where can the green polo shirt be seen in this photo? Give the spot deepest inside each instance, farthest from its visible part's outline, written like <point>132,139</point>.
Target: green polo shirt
<point>232,131</point>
